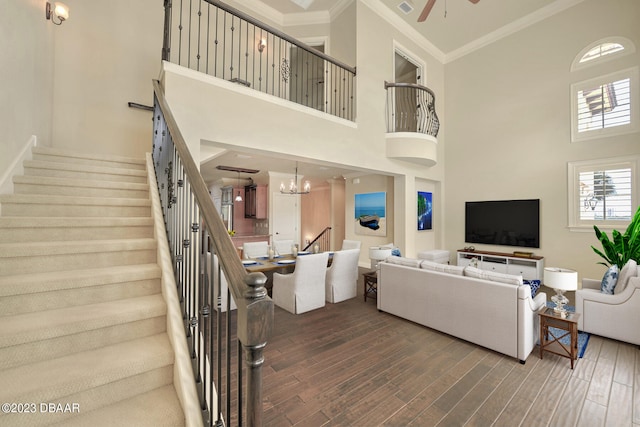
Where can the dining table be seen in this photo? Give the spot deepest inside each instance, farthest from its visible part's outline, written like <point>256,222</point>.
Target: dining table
<point>277,263</point>
<point>281,263</point>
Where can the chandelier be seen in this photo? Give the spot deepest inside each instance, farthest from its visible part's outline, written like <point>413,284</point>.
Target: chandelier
<point>293,185</point>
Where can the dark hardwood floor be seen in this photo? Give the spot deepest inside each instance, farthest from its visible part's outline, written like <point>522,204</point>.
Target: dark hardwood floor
<point>349,365</point>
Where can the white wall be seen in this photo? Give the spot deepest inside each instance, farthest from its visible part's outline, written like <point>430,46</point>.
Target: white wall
<point>107,53</point>
<point>508,110</point>
<point>26,73</point>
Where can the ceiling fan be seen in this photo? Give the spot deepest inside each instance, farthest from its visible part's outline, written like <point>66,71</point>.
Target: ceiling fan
<point>429,6</point>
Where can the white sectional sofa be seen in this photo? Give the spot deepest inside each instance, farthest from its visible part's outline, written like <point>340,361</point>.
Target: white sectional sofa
<point>483,309</point>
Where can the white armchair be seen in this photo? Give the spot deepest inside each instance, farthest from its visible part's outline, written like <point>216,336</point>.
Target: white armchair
<point>341,282</point>
<point>217,279</point>
<point>283,247</point>
<point>351,244</point>
<point>255,249</point>
<point>614,316</point>
<point>302,290</point>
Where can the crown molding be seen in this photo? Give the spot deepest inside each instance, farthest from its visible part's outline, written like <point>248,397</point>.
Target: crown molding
<point>511,28</point>
<point>293,19</point>
<point>263,10</point>
<point>306,18</point>
<point>400,24</point>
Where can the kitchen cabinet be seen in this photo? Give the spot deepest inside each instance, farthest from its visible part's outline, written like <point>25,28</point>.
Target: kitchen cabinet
<point>255,201</point>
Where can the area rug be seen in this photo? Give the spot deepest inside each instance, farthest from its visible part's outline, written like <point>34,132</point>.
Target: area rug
<point>583,337</point>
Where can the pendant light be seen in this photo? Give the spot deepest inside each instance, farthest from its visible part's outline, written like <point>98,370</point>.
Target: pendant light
<point>238,197</point>
<point>293,186</point>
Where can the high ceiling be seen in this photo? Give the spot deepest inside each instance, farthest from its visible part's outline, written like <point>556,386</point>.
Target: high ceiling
<point>465,27</point>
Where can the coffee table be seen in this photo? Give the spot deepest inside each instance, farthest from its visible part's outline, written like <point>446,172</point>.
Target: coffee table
<point>550,340</point>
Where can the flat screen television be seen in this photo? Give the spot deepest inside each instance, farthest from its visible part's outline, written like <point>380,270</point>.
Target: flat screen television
<point>503,222</point>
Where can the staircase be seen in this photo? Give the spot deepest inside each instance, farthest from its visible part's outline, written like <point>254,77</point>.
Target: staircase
<point>83,338</point>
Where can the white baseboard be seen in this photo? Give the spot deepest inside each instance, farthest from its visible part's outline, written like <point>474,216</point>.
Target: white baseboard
<point>15,168</point>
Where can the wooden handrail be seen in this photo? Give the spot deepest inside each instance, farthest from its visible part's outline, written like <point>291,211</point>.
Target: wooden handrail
<point>280,34</point>
<point>322,233</point>
<point>254,307</point>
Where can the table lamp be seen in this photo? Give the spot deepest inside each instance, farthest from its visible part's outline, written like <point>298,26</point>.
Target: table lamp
<point>377,254</point>
<point>560,280</point>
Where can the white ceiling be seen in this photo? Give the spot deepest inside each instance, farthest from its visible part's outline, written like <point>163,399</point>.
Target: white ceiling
<point>317,173</point>
<point>466,27</point>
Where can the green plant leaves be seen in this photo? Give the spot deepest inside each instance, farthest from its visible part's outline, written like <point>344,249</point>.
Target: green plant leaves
<point>623,247</point>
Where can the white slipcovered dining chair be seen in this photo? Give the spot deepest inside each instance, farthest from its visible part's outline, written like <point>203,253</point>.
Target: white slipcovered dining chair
<point>255,249</point>
<point>341,282</point>
<point>283,247</point>
<point>218,283</point>
<point>302,290</point>
<point>351,244</point>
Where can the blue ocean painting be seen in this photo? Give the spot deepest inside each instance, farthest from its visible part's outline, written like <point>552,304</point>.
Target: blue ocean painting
<point>425,210</point>
<point>371,204</point>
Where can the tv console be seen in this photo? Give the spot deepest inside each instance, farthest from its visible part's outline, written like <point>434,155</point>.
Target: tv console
<point>530,267</point>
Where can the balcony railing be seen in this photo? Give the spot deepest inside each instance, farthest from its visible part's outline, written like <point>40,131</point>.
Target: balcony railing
<point>225,344</point>
<point>214,38</point>
<point>411,108</point>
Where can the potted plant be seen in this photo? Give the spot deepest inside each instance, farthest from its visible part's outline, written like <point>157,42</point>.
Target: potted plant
<point>622,247</point>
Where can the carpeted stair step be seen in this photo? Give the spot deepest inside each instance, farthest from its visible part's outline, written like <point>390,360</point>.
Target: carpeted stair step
<point>80,188</point>
<point>42,335</point>
<point>39,257</point>
<point>26,293</point>
<point>91,379</point>
<point>57,206</point>
<point>83,172</point>
<point>157,408</point>
<point>101,160</point>
<point>45,229</point>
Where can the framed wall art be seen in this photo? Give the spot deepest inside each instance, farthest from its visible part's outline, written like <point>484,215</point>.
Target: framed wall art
<point>425,210</point>
<point>371,214</point>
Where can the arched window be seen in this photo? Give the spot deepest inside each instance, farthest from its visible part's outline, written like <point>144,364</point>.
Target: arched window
<point>603,50</point>
<point>605,105</point>
<point>604,191</point>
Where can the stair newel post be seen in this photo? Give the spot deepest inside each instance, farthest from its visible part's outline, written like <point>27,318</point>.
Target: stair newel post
<point>254,330</point>
<point>166,36</point>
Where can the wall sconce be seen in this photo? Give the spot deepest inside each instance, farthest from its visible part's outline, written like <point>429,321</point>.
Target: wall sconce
<point>261,45</point>
<point>59,10</point>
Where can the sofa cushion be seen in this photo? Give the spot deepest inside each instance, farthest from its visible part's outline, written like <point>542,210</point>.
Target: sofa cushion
<point>535,285</point>
<point>629,270</point>
<point>609,280</point>
<point>493,276</point>
<point>443,268</point>
<point>408,262</point>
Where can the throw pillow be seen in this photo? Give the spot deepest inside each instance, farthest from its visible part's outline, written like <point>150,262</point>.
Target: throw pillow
<point>609,280</point>
<point>535,285</point>
<point>395,252</point>
<point>629,270</point>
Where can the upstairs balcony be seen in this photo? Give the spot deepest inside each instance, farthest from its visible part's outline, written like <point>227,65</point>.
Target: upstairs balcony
<point>216,39</point>
<point>412,123</point>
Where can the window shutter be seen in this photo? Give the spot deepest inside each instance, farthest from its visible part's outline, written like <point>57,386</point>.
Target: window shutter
<point>606,194</point>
